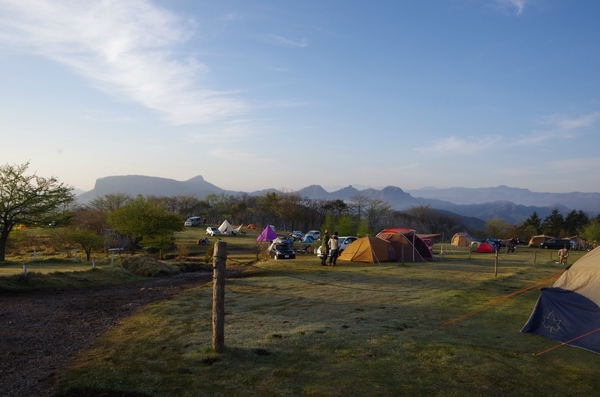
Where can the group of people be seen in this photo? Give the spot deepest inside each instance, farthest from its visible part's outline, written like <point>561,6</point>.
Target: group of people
<point>330,247</point>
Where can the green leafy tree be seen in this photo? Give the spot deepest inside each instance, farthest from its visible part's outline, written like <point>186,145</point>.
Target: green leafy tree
<point>591,232</point>
<point>496,227</point>
<point>87,239</point>
<point>346,225</point>
<point>30,200</point>
<point>142,219</point>
<point>86,230</point>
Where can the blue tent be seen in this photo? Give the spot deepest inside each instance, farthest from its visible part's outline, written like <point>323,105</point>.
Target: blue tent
<point>267,235</point>
<point>569,311</point>
<point>307,239</point>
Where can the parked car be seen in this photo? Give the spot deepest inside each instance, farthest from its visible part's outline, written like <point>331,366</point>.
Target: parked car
<point>212,231</point>
<point>344,243</point>
<point>297,235</point>
<point>315,234</point>
<point>493,241</point>
<point>282,251</point>
<point>193,221</point>
<point>556,243</point>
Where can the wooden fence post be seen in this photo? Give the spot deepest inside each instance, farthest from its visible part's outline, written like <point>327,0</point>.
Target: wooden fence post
<point>496,264</point>
<point>218,309</point>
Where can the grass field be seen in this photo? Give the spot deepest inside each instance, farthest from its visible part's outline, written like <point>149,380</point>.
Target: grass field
<point>296,328</point>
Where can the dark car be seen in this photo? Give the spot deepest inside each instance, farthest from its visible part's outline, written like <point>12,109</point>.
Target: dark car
<point>556,243</point>
<point>282,251</point>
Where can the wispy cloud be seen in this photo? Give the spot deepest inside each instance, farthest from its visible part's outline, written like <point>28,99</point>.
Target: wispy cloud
<point>456,145</point>
<point>510,6</point>
<point>559,126</point>
<point>123,48</point>
<point>565,123</point>
<point>290,43</point>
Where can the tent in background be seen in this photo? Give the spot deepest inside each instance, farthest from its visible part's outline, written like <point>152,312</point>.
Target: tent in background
<point>226,228</point>
<point>485,248</point>
<point>535,241</point>
<point>461,239</point>
<point>570,308</point>
<point>267,235</point>
<point>407,244</point>
<point>369,250</point>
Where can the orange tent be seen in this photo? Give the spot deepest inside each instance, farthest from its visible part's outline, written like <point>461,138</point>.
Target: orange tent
<point>369,250</point>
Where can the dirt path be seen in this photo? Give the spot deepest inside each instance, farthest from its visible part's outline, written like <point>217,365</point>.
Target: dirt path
<point>40,332</point>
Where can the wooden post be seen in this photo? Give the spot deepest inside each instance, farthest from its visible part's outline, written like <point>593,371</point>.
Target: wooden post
<point>218,309</point>
<point>496,264</point>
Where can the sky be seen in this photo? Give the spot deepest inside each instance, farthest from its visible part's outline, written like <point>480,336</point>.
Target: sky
<point>286,94</point>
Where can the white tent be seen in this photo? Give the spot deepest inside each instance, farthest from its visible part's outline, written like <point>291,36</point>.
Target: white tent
<point>226,228</point>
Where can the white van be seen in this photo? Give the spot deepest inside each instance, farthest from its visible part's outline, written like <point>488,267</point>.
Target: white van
<point>193,221</point>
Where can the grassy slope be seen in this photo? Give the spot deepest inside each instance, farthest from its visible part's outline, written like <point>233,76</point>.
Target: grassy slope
<point>302,329</point>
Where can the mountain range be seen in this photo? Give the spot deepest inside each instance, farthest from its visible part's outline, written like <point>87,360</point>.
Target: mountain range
<point>512,204</point>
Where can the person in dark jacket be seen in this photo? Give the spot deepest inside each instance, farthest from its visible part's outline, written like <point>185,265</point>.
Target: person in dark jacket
<point>324,247</point>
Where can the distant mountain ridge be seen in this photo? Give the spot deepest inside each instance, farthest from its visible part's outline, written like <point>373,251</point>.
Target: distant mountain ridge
<point>512,204</point>
<point>151,186</point>
<point>459,195</point>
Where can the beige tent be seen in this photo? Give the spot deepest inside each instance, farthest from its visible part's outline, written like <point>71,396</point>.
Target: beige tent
<point>369,250</point>
<point>535,241</point>
<point>461,239</point>
<point>226,228</point>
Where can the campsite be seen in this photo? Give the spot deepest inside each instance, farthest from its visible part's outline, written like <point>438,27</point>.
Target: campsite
<point>295,328</point>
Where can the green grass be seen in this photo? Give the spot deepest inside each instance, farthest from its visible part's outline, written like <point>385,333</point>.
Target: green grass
<point>296,328</point>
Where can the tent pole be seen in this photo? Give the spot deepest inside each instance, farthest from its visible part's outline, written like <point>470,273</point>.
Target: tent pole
<point>375,256</point>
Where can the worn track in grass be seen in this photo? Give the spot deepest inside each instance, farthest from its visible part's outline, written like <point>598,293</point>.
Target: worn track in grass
<point>41,331</point>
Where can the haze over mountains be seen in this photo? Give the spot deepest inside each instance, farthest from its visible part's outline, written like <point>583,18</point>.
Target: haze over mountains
<point>513,204</point>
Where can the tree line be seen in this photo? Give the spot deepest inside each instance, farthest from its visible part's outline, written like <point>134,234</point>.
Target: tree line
<point>152,221</point>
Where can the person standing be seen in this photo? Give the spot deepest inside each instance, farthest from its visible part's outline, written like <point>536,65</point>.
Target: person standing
<point>334,249</point>
<point>324,248</point>
<point>563,254</point>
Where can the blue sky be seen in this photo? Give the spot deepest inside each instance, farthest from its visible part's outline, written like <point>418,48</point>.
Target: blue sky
<point>260,94</point>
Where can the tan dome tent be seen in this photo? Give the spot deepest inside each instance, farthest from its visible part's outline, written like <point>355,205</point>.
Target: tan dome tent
<point>369,250</point>
<point>461,239</point>
<point>535,241</point>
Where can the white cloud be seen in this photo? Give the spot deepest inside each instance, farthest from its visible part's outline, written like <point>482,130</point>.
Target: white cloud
<point>455,145</point>
<point>510,6</point>
<point>123,48</point>
<point>564,123</point>
<point>302,43</point>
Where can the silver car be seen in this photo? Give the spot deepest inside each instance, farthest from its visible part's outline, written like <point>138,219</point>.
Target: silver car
<point>345,241</point>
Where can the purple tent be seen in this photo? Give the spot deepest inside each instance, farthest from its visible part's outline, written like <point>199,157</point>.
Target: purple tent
<point>267,235</point>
